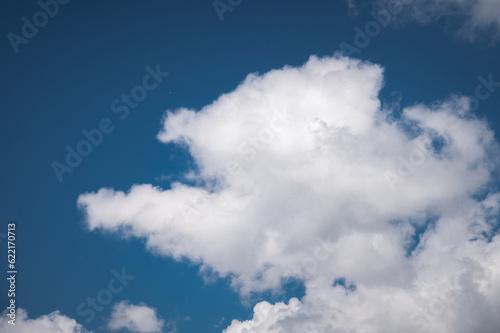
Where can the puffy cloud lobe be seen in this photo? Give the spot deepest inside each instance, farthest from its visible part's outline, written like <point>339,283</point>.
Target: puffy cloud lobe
<point>135,318</point>
<point>267,317</point>
<point>55,322</point>
<point>302,176</point>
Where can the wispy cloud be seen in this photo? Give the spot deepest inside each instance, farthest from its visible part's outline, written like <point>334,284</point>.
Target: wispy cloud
<point>300,155</point>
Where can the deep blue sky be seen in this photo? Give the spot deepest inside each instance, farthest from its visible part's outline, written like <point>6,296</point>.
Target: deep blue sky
<point>65,78</point>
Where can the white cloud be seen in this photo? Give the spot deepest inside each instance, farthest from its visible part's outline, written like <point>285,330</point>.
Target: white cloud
<point>135,318</point>
<point>476,17</point>
<point>55,322</point>
<point>293,173</point>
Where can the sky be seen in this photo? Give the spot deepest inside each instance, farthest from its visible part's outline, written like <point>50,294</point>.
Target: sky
<point>250,166</point>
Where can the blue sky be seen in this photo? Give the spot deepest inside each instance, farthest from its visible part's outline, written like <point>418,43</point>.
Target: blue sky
<point>65,79</point>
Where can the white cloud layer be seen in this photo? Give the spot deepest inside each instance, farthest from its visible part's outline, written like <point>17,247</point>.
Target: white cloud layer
<point>135,318</point>
<point>52,323</point>
<point>302,176</point>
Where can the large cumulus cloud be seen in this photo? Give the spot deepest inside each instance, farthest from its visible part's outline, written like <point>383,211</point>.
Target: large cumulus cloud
<point>301,175</point>
<point>54,322</point>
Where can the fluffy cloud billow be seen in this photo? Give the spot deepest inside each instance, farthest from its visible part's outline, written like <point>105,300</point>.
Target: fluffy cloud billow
<point>301,174</point>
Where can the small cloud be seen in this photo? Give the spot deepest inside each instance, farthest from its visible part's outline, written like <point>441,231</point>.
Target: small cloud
<point>163,177</point>
<point>135,318</point>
